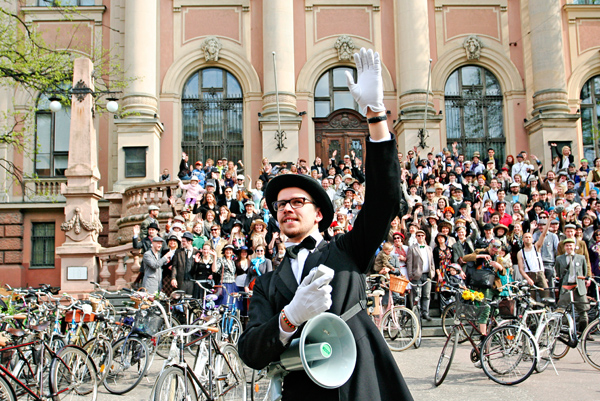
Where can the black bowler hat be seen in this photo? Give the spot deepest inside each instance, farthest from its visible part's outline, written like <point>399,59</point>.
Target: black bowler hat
<point>306,183</point>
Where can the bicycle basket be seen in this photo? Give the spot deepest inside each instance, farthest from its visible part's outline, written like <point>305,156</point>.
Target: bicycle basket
<point>468,310</point>
<point>398,284</point>
<point>148,321</point>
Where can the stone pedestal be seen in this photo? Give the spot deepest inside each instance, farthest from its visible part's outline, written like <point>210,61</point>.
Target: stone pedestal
<point>269,127</point>
<point>544,129</point>
<point>139,132</point>
<point>82,223</point>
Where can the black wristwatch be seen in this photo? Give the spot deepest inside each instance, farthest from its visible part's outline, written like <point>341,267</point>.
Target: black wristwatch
<point>377,119</point>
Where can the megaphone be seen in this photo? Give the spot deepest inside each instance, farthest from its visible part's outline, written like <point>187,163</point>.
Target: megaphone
<point>326,350</point>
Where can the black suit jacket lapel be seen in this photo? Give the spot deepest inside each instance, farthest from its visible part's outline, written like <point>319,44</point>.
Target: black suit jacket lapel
<point>315,258</point>
<point>285,281</point>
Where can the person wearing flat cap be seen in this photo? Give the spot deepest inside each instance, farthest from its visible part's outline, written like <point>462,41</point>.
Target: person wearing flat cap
<point>184,265</point>
<point>153,264</point>
<point>283,300</point>
<point>152,218</point>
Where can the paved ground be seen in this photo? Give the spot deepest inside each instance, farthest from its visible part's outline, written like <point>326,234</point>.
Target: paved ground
<point>575,381</point>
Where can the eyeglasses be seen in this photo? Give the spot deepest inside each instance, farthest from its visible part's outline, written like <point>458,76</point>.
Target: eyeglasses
<point>214,229</point>
<point>395,238</point>
<point>295,203</point>
<point>260,250</point>
<point>420,235</point>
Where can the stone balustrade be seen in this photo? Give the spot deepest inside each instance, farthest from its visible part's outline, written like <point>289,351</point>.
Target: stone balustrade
<point>45,189</point>
<point>118,266</point>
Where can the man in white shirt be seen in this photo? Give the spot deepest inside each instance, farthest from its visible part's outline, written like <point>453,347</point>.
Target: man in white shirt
<point>420,268</point>
<point>522,168</point>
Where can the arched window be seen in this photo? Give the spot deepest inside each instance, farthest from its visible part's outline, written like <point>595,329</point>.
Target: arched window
<point>590,112</point>
<point>332,93</point>
<point>51,139</point>
<point>212,108</point>
<point>473,102</point>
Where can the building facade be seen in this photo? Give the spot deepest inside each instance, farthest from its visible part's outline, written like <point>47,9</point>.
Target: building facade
<point>247,79</point>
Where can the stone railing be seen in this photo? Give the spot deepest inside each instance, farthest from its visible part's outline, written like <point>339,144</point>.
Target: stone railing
<point>131,208</point>
<point>45,189</point>
<point>118,266</point>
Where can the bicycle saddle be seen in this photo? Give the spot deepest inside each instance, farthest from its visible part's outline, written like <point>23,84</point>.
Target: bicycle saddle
<point>40,327</point>
<point>15,332</point>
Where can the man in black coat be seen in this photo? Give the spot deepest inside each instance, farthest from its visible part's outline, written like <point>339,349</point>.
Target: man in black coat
<point>303,209</point>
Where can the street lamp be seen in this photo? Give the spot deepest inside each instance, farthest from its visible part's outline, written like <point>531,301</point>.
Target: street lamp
<point>80,91</point>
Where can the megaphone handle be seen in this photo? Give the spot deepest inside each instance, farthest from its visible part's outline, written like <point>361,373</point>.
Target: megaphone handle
<point>276,387</point>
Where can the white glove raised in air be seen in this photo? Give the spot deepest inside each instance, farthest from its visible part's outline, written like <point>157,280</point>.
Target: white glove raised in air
<point>311,299</point>
<point>368,91</point>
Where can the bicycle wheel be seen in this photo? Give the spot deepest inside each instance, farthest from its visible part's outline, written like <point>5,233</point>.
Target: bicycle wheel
<point>230,330</point>
<point>173,386</point>
<point>100,350</point>
<point>448,323</point>
<point>6,391</point>
<point>399,328</point>
<point>230,374</point>
<point>446,357</point>
<point>73,375</point>
<point>26,371</point>
<point>508,355</point>
<point>129,363</point>
<point>561,348</point>
<point>590,345</point>
<point>163,345</point>
<point>417,311</point>
<point>546,344</point>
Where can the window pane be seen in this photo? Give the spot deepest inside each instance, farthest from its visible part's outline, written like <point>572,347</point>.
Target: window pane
<point>87,2</point>
<point>62,127</point>
<point>42,244</point>
<point>44,124</point>
<point>60,164</point>
<point>586,125</point>
<point>322,88</point>
<point>492,87</point>
<point>233,87</point>
<point>190,90</point>
<point>473,120</point>
<point>135,162</point>
<point>343,100</point>
<point>586,94</point>
<point>339,77</point>
<point>494,120</point>
<point>471,76</point>
<point>212,78</point>
<point>321,109</point>
<point>452,84</point>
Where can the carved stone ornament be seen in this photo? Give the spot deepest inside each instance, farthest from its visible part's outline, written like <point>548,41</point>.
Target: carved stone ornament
<point>345,121</point>
<point>345,48</point>
<point>211,46</point>
<point>473,46</point>
<point>77,222</point>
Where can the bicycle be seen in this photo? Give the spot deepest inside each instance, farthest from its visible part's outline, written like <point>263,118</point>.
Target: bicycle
<point>588,348</point>
<point>217,373</point>
<point>398,325</point>
<point>71,373</point>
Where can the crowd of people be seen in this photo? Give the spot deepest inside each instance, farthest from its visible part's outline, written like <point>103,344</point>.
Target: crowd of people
<point>479,221</point>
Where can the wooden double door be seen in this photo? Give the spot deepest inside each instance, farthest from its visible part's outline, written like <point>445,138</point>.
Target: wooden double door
<point>343,130</point>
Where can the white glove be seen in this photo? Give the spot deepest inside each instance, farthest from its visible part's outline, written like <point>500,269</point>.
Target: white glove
<point>368,92</point>
<point>310,300</point>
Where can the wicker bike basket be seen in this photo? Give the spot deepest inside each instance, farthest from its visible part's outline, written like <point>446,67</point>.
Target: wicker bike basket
<point>468,310</point>
<point>398,284</point>
<point>148,321</point>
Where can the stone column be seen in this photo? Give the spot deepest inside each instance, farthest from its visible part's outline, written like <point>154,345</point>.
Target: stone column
<point>412,48</point>
<point>82,223</point>
<point>551,120</point>
<point>278,28</point>
<point>139,125</point>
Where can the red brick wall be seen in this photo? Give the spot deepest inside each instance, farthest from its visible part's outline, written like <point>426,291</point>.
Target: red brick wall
<point>11,248</point>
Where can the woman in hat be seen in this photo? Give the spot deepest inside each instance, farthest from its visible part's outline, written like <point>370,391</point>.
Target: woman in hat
<point>341,220</point>
<point>442,258</point>
<point>205,268</point>
<point>258,233</point>
<point>225,220</point>
<point>226,267</point>
<point>173,243</point>
<point>500,232</point>
<point>242,264</point>
<point>259,266</point>
<point>237,237</point>
<point>394,227</point>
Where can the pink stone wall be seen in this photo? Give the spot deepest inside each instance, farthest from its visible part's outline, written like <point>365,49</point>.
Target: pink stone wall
<point>217,21</point>
<point>68,35</point>
<point>299,37</point>
<point>472,20</point>
<point>256,40</point>
<point>167,142</point>
<point>432,33</point>
<point>515,35</point>
<point>589,34</point>
<point>166,38</point>
<point>257,141</point>
<point>388,43</point>
<point>334,21</point>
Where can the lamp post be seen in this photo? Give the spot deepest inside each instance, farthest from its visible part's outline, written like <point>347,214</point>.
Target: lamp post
<point>79,91</point>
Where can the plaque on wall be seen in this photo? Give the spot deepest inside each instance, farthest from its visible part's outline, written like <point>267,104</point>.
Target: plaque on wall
<point>77,273</point>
